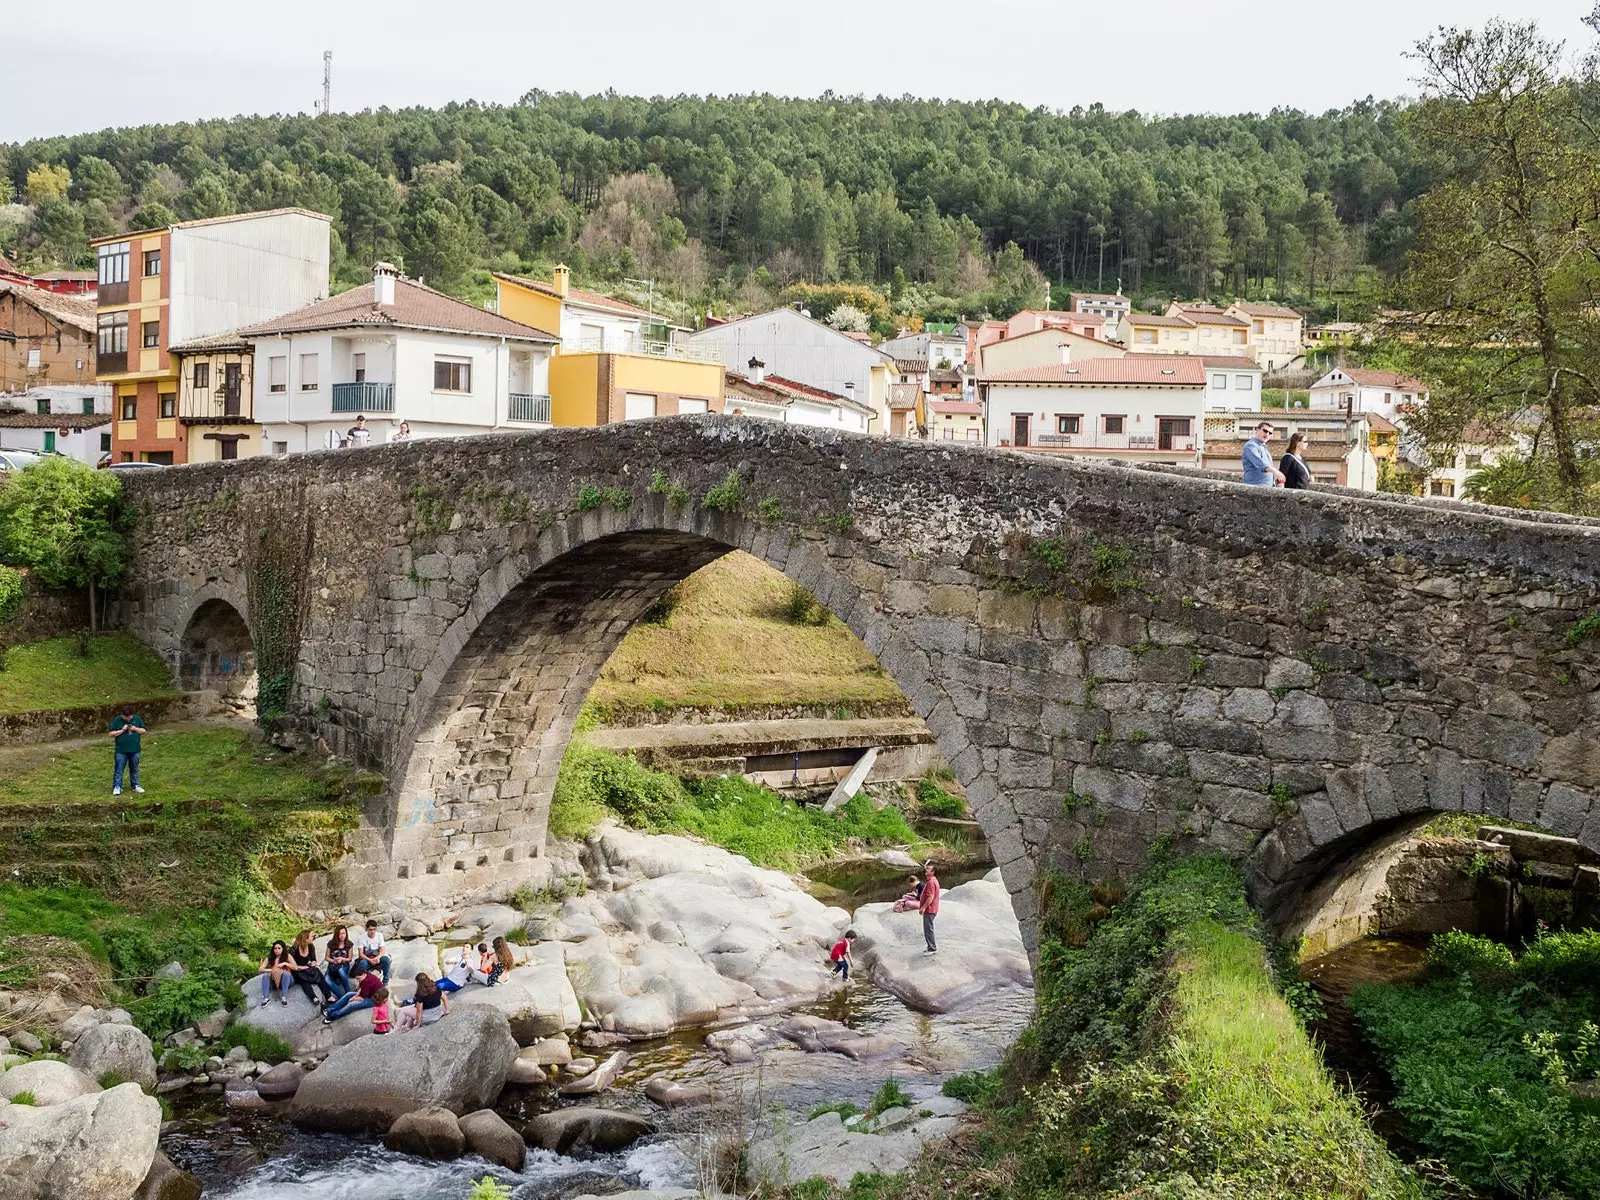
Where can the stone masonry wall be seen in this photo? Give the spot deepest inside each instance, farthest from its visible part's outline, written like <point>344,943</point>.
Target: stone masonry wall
<point>1107,656</point>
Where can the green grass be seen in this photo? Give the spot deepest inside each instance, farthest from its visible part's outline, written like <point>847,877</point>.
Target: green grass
<point>264,1047</point>
<point>934,801</point>
<point>844,1108</point>
<point>889,1095</point>
<point>51,674</point>
<point>731,642</point>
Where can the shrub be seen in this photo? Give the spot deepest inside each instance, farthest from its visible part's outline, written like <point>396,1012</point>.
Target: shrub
<point>802,608</point>
<point>24,1097</point>
<point>1568,961</point>
<point>172,1004</point>
<point>1485,962</point>
<point>977,1088</point>
<point>264,1047</point>
<point>889,1095</point>
<point>844,1108</point>
<point>727,495</point>
<point>189,1057</point>
<point>936,802</point>
<point>592,780</point>
<point>488,1188</point>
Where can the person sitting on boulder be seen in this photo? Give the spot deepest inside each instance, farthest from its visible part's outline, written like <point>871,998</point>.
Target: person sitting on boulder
<point>426,1007</point>
<point>341,953</point>
<point>840,955</point>
<point>276,972</point>
<point>913,893</point>
<point>303,954</point>
<point>370,949</point>
<point>505,958</point>
<point>382,1010</point>
<point>456,973</point>
<point>368,984</point>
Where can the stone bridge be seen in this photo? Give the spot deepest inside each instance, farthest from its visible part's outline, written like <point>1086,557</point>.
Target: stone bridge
<point>1108,656</point>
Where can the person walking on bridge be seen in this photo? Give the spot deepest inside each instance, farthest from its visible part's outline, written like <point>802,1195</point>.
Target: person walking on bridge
<point>1259,470</point>
<point>928,905</point>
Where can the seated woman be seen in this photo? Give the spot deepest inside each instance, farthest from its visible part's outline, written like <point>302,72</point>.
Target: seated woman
<point>303,956</point>
<point>912,896</point>
<point>426,1007</point>
<point>368,984</point>
<point>341,953</point>
<point>276,972</point>
<point>456,972</point>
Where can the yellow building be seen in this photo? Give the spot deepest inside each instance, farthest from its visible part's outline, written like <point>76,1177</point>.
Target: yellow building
<point>616,361</point>
<point>216,398</point>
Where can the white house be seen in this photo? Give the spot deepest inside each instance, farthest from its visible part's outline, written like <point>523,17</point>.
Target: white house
<point>1232,382</point>
<point>773,398</point>
<point>796,348</point>
<point>1354,389</point>
<point>392,351</point>
<point>74,421</point>
<point>934,346</point>
<point>1143,407</point>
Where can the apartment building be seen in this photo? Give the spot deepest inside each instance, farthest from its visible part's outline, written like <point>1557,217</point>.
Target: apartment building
<point>160,288</point>
<point>1277,333</point>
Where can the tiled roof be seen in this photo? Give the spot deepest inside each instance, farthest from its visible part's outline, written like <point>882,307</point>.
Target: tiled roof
<point>232,340</point>
<point>1159,321</point>
<point>1268,310</point>
<point>958,407</point>
<point>1211,317</point>
<point>938,376</point>
<point>1384,379</point>
<point>578,296</point>
<point>1380,424</point>
<point>775,389</point>
<point>903,395</point>
<point>1098,298</point>
<point>1322,451</point>
<point>1230,362</point>
<point>911,366</point>
<point>77,311</point>
<point>1172,370</point>
<point>1198,306</point>
<point>53,420</point>
<point>414,307</point>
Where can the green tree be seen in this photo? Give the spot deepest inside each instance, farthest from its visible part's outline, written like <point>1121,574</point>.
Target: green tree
<point>152,216</point>
<point>63,521</point>
<point>47,181</point>
<point>96,179</point>
<point>207,196</point>
<point>437,242</point>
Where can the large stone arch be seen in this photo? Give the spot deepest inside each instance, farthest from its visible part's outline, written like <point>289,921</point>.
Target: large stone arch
<point>217,654</point>
<point>1108,656</point>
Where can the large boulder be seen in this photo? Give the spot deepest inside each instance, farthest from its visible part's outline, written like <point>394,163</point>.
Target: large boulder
<point>980,948</point>
<point>95,1147</point>
<point>280,1082</point>
<point>80,1022</point>
<point>165,1182</point>
<point>537,999</point>
<point>490,920</point>
<point>115,1049</point>
<point>825,1147</point>
<point>459,1063</point>
<point>427,1133</point>
<point>601,1130</point>
<point>669,1093</point>
<point>488,1136</point>
<point>50,1082</point>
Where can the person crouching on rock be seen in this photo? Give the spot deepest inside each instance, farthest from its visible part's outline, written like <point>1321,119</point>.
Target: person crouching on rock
<point>840,955</point>
<point>456,973</point>
<point>382,1011</point>
<point>913,894</point>
<point>276,972</point>
<point>426,1007</point>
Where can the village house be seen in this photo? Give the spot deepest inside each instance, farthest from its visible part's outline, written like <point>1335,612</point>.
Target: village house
<point>1277,333</point>
<point>1357,389</point>
<point>394,351</point>
<point>1110,309</point>
<point>1232,382</point>
<point>1032,320</point>
<point>1042,348</point>
<point>1140,408</point>
<point>160,288</point>
<point>1216,331</point>
<point>955,421</point>
<point>74,421</point>
<point>938,347</point>
<point>45,338</point>
<point>774,398</point>
<point>216,398</point>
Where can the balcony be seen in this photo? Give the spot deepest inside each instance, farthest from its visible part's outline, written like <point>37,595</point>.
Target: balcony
<point>363,397</point>
<point>527,406</point>
<point>1174,443</point>
<point>597,344</point>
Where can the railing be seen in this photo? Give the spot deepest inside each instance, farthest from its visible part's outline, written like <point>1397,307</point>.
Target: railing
<point>1114,441</point>
<point>526,406</point>
<point>363,397</point>
<point>595,344</point>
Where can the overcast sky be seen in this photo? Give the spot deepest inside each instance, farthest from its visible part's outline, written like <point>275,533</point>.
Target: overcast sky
<point>93,63</point>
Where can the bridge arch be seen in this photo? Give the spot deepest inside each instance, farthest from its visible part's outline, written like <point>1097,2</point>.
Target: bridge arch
<point>217,654</point>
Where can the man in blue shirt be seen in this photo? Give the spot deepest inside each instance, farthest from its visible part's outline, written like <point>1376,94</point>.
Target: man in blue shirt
<point>1259,470</point>
<point>127,729</point>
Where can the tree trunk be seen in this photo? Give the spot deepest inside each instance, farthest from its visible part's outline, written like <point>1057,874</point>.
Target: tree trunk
<point>91,607</point>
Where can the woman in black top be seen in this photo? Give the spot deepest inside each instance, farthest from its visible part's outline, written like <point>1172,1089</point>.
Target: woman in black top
<point>340,955</point>
<point>427,1006</point>
<point>303,954</point>
<point>1295,472</point>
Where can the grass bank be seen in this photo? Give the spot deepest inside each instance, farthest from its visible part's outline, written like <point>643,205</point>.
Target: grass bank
<point>1495,1059</point>
<point>1163,1063</point>
<point>110,890</point>
<point>732,637</point>
<point>57,674</point>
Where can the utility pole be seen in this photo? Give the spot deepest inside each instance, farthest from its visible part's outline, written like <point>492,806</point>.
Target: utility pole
<point>327,82</point>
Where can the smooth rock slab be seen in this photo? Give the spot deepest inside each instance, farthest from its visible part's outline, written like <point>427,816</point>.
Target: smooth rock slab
<point>825,1147</point>
<point>816,1035</point>
<point>50,1082</point>
<point>165,1182</point>
<point>671,1094</point>
<point>537,1000</point>
<point>281,1082</point>
<point>601,1130</point>
<point>488,1136</point>
<point>94,1147</point>
<point>600,1078</point>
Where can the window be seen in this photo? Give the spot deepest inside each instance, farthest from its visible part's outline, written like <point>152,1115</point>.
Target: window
<point>1116,424</point>
<point>1474,461</point>
<point>637,406</point>
<point>452,375</point>
<point>33,358</point>
<point>685,405</point>
<point>280,447</point>
<point>113,333</point>
<point>1219,383</point>
<point>972,435</point>
<point>1147,337</point>
<point>152,263</point>
<point>150,335</point>
<point>1068,424</point>
<point>88,406</point>
<point>127,456</point>
<point>113,260</point>
<point>1238,337</point>
<point>42,407</point>
<point>202,375</point>
<point>162,458</point>
<point>105,443</point>
<point>168,406</point>
<point>130,408</point>
<point>1243,383</point>
<point>278,373</point>
<point>1442,487</point>
<point>358,364</point>
<point>230,449</point>
<point>308,372</point>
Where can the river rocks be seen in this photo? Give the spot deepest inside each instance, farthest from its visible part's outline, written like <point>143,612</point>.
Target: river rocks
<point>488,1136</point>
<point>165,1182</point>
<point>577,1068</point>
<point>94,1147</point>
<point>281,1082</point>
<point>27,1043</point>
<point>459,1063</point>
<point>814,1034</point>
<point>114,1049</point>
<point>537,999</point>
<point>600,1078</point>
<point>980,948</point>
<point>427,1133</point>
<point>679,934</point>
<point>671,1094</point>
<point>241,1093</point>
<point>550,1052</point>
<point>824,1147</point>
<point>895,857</point>
<point>601,1130</point>
<point>79,1023</point>
<point>50,1082</point>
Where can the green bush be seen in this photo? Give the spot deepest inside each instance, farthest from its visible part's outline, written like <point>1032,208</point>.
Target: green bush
<point>264,1047</point>
<point>889,1095</point>
<point>24,1097</point>
<point>1453,954</point>
<point>801,607</point>
<point>936,802</point>
<point>171,1004</point>
<point>1566,961</point>
<point>844,1108</point>
<point>189,1057</point>
<point>977,1088</point>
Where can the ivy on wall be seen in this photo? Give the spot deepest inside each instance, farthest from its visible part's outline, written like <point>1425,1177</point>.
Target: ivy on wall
<point>277,579</point>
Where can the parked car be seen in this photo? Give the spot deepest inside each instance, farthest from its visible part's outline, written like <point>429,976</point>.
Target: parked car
<point>15,460</point>
<point>132,466</point>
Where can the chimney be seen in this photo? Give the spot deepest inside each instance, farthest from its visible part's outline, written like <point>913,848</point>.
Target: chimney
<point>562,277</point>
<point>758,370</point>
<point>850,389</point>
<point>383,277</point>
<point>1066,352</point>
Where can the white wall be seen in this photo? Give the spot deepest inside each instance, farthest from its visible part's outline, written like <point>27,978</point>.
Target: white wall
<point>797,348</point>
<point>234,273</point>
<point>1236,390</point>
<point>1140,408</point>
<point>81,444</point>
<point>622,334</point>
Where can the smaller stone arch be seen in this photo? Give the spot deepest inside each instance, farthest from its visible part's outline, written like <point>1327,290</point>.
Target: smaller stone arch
<point>217,654</point>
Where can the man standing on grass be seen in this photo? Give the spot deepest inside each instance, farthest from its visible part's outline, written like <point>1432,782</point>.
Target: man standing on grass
<point>928,906</point>
<point>127,729</point>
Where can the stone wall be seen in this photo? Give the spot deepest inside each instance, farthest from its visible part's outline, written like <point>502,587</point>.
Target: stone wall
<point>46,613</point>
<point>1107,656</point>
